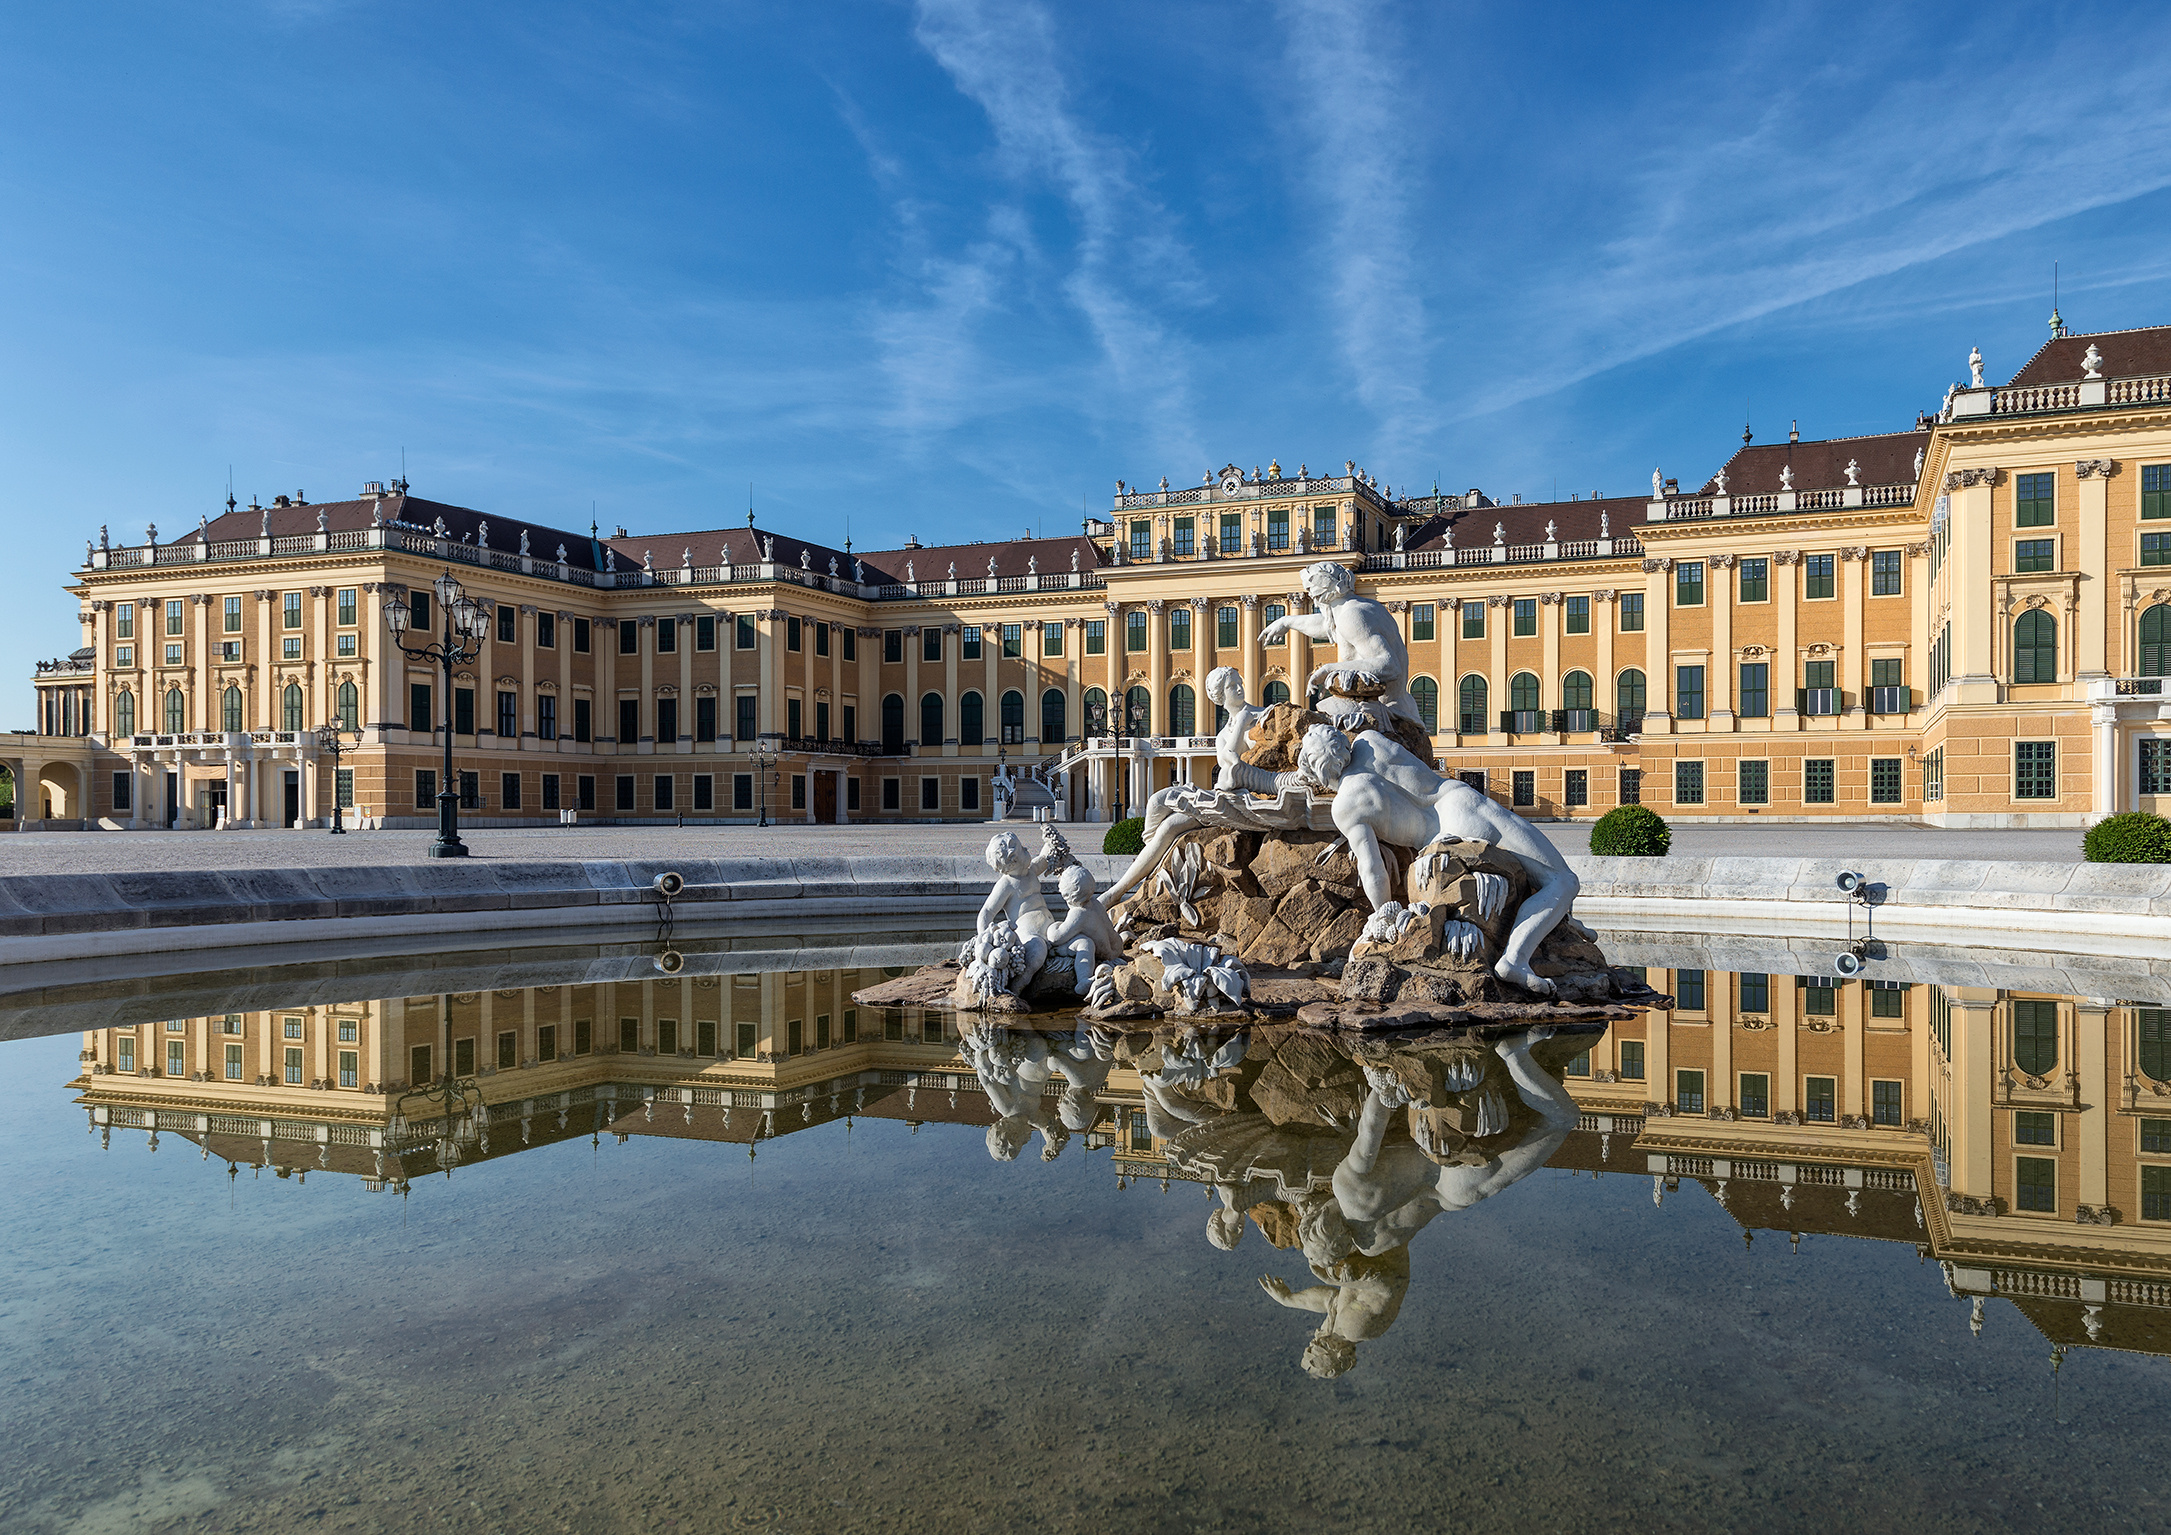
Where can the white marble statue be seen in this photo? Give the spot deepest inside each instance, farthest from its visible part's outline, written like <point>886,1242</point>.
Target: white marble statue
<point>1084,934</point>
<point>1366,636</point>
<point>1383,793</point>
<point>1010,943</point>
<point>1975,367</point>
<point>1225,687</point>
<point>1786,477</point>
<point>2092,364</point>
<point>1658,485</point>
<point>523,541</point>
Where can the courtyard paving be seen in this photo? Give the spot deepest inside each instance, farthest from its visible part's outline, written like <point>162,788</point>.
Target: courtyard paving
<point>116,852</point>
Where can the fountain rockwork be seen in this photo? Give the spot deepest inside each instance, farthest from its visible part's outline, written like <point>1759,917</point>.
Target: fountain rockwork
<point>1331,874</point>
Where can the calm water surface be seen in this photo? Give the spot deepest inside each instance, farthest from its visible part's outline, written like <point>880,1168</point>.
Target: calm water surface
<point>840,1312</point>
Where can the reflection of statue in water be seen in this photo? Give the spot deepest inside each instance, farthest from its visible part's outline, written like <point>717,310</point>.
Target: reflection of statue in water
<point>1014,1067</point>
<point>1365,634</point>
<point>1386,1190</point>
<point>1382,793</point>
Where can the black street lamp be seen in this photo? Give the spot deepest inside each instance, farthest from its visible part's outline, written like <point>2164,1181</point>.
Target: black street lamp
<point>447,1101</point>
<point>330,745</point>
<point>765,749</point>
<point>463,625</point>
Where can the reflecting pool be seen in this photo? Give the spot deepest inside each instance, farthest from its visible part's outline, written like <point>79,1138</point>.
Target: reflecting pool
<point>719,1249</point>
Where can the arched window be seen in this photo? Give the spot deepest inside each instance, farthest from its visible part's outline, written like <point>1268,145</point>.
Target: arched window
<point>1276,693</point>
<point>1628,697</point>
<point>230,709</point>
<point>1523,691</point>
<point>1054,717</point>
<point>1425,693</point>
<point>1575,691</point>
<point>971,720</point>
<point>176,712</point>
<point>1013,718</point>
<point>2156,641</point>
<point>1183,710</point>
<point>1138,713</point>
<point>893,725</point>
<point>1096,712</point>
<point>2035,649</point>
<point>290,707</point>
<point>2035,1037</point>
<point>124,713</point>
<point>931,721</point>
<point>350,713</point>
<point>1470,705</point>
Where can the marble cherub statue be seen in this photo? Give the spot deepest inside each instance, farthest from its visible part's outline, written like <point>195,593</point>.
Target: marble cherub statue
<point>1225,687</point>
<point>1084,934</point>
<point>1383,793</point>
<point>1365,634</point>
<point>1010,939</point>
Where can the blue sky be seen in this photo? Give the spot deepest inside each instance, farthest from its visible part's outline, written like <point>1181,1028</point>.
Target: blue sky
<point>950,268</point>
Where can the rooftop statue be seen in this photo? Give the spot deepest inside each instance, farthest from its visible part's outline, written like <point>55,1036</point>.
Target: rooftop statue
<point>1975,367</point>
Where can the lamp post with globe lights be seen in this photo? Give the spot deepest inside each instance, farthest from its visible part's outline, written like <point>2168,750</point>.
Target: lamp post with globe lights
<point>330,745</point>
<point>462,624</point>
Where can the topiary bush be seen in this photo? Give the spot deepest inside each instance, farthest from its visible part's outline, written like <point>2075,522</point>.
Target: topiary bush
<point>1127,836</point>
<point>2133,837</point>
<point>1631,831</point>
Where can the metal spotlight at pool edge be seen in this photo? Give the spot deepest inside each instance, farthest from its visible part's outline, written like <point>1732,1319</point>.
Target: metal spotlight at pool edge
<point>1857,891</point>
<point>670,885</point>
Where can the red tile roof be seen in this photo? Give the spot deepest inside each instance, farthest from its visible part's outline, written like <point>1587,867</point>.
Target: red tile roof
<point>2126,354</point>
<point>1572,521</point>
<point>1887,458</point>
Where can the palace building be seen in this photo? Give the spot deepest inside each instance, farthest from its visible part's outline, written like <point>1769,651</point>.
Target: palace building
<point>1965,623</point>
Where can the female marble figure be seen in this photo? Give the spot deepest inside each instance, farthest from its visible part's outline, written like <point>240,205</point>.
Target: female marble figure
<point>1225,686</point>
<point>1383,793</point>
<point>1366,636</point>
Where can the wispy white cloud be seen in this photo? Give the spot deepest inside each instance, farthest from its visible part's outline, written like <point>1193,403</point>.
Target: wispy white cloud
<point>1360,170</point>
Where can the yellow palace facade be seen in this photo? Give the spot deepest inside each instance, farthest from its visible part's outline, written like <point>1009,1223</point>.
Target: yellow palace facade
<point>1966,623</point>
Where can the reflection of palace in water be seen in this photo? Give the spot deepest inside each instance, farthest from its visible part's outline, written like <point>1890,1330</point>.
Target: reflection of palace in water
<point>1806,1106</point>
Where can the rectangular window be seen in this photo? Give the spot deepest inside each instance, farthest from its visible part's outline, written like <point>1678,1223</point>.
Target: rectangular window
<point>2156,1136</point>
<point>508,714</point>
<point>1576,787</point>
<point>629,636</point>
<point>930,794</point>
<point>2034,500</point>
<point>550,792</point>
<point>1051,639</point>
<point>1232,532</point>
<point>1884,781</point>
<point>420,1065</point>
<point>1817,575</point>
<point>1820,1100</point>
<point>2156,548</point>
<point>584,788</point>
<point>1754,784</point>
<point>1134,630</point>
<point>509,791</point>
<point>742,791</point>
<point>508,624</point>
<point>1473,620</point>
<point>851,794</point>
<point>233,1063</point>
<point>1689,990</point>
<point>1422,623</point>
<point>176,1058</point>
<point>1688,783</point>
<point>666,636</point>
<point>893,794</point>
<point>1096,637</point>
<point>1688,1091</point>
<point>629,720</point>
<point>791,718</point>
<point>346,606</point>
<point>1012,637</point>
<point>968,794</point>
<point>1277,528</point>
<point>463,711</point>
<point>1225,628</point>
<point>629,1036</point>
<point>931,642</point>
<point>1817,781</point>
<point>1631,786</point>
<point>508,1050</point>
<point>425,788</point>
<point>1323,527</point>
<point>1179,629</point>
<point>348,646</point>
<point>2036,1178</point>
<point>1631,1060</point>
<point>583,719</point>
<point>667,719</point>
<point>1755,1095</point>
<point>1688,584</point>
<point>1756,580</point>
<point>667,1036</point>
<point>546,1042</point>
<point>124,788</point>
<point>546,631</point>
<point>747,1041</point>
<point>2156,1193</point>
<point>1885,1103</point>
<point>581,643</point>
<point>470,790</point>
<point>1688,692</point>
<point>795,1040</point>
<point>1884,573</point>
<point>2154,776</point>
<point>743,721</point>
<point>2035,1129</point>
<point>1754,699</point>
<point>2155,491</point>
<point>1141,541</point>
<point>1580,1066</point>
<point>2035,770</point>
<point>1526,616</point>
<point>293,1068</point>
<point>290,649</point>
<point>1820,995</point>
<point>176,616</point>
<point>546,717</point>
<point>124,1059</point>
<point>2034,554</point>
<point>1186,534</point>
<point>623,792</point>
<point>704,791</point>
<point>1578,614</point>
<point>1888,999</point>
<point>232,616</point>
<point>746,637</point>
<point>1631,612</point>
<point>705,632</point>
<point>1523,787</point>
<point>124,621</point>
<point>666,792</point>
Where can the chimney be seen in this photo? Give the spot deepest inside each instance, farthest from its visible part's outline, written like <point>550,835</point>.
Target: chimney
<point>1794,431</point>
<point>372,489</point>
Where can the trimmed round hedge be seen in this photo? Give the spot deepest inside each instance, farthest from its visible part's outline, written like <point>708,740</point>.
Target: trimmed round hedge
<point>1631,831</point>
<point>2132,837</point>
<point>1127,836</point>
